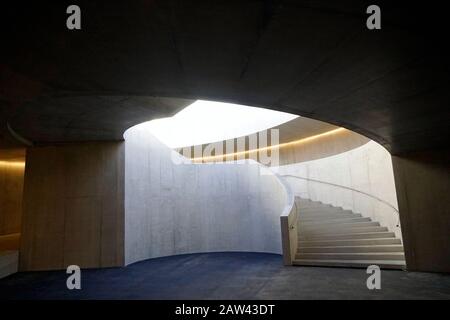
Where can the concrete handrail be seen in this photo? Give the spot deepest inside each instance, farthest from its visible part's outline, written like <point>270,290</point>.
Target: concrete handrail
<point>288,223</point>
<point>342,187</point>
<point>347,188</point>
<point>288,219</point>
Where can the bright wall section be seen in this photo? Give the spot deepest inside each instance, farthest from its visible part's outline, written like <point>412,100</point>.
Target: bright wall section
<point>12,168</point>
<point>173,208</point>
<point>11,188</point>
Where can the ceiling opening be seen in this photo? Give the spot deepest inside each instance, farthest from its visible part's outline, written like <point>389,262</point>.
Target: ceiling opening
<point>208,121</point>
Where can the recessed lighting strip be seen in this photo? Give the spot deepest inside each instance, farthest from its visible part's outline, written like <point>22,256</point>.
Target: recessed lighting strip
<point>17,164</point>
<point>278,146</point>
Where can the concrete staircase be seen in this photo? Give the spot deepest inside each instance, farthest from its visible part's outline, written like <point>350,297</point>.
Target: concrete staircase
<point>331,236</point>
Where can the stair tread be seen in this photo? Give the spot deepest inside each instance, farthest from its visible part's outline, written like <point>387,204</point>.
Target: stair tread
<point>392,264</point>
<point>325,212</point>
<point>329,216</point>
<point>349,242</point>
<point>355,253</point>
<point>356,240</point>
<point>395,248</point>
<point>339,220</point>
<point>362,246</point>
<point>355,224</point>
<point>324,208</point>
<point>353,234</point>
<point>355,230</point>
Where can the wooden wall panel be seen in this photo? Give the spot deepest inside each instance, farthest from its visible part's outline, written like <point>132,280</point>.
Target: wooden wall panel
<point>73,206</point>
<point>422,181</point>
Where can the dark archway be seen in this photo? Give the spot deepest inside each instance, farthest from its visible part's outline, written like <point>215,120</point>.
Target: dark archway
<point>315,59</point>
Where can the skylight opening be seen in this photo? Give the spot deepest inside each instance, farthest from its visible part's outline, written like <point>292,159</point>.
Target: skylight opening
<point>208,121</point>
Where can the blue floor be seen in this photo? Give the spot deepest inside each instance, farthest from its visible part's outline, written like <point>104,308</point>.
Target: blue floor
<point>224,276</point>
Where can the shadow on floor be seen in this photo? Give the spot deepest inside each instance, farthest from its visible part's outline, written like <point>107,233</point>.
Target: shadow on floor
<point>224,276</point>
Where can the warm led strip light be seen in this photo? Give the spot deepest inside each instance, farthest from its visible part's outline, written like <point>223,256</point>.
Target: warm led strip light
<point>20,164</point>
<point>278,146</point>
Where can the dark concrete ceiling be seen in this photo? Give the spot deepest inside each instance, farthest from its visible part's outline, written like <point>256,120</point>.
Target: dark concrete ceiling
<point>88,118</point>
<point>312,58</point>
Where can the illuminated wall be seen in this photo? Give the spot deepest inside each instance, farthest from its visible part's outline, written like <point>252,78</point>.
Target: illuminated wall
<point>11,189</point>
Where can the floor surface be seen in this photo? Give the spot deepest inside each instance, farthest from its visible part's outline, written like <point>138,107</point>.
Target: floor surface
<point>224,276</point>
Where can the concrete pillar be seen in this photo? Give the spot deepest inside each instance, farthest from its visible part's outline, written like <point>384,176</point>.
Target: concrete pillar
<point>73,208</point>
<point>422,181</point>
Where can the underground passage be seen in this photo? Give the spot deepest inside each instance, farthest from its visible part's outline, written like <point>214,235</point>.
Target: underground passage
<point>224,150</point>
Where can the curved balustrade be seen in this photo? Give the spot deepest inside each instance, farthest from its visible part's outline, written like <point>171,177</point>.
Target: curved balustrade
<point>288,224</point>
<point>370,196</point>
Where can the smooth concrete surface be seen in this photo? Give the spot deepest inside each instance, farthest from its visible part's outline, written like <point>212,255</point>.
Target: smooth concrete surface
<point>336,180</point>
<point>73,206</point>
<point>321,147</point>
<point>179,208</point>
<point>423,184</point>
<point>9,262</point>
<point>225,276</point>
<point>12,170</point>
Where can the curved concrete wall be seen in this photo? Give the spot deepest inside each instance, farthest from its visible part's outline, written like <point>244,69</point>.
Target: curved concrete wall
<point>295,130</point>
<point>367,169</point>
<point>185,208</point>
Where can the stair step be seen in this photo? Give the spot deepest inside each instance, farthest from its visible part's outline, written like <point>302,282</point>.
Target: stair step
<point>352,256</point>
<point>336,221</point>
<point>308,203</point>
<point>384,264</point>
<point>349,242</point>
<point>338,226</point>
<point>366,235</point>
<point>323,208</point>
<point>351,249</point>
<point>327,216</point>
<point>332,236</point>
<point>342,230</point>
<point>311,204</point>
